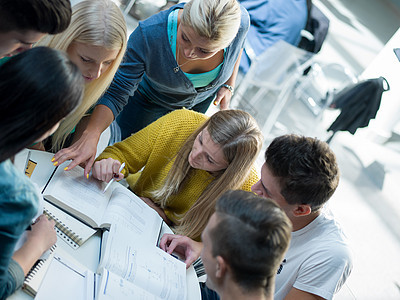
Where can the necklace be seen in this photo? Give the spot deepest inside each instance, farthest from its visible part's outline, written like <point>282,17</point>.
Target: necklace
<point>176,69</point>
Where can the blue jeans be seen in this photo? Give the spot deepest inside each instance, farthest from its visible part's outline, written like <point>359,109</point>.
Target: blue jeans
<point>140,112</point>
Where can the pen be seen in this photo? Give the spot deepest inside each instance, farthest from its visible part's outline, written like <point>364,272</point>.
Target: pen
<point>113,179</point>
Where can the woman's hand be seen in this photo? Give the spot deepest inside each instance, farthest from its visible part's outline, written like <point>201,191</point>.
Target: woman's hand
<point>184,246</point>
<point>83,151</point>
<point>158,209</point>
<point>39,239</point>
<point>43,233</point>
<point>107,169</point>
<point>223,98</point>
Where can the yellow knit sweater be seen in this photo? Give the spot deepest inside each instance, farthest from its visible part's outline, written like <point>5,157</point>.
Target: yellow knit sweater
<point>154,148</point>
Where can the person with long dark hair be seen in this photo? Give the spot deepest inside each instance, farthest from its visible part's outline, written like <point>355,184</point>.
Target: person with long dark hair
<point>38,88</point>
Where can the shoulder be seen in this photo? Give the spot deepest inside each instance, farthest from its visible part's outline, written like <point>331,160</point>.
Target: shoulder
<point>245,17</point>
<point>251,179</point>
<point>184,118</point>
<point>323,246</point>
<point>16,191</point>
<point>325,234</point>
<point>244,21</point>
<point>174,126</point>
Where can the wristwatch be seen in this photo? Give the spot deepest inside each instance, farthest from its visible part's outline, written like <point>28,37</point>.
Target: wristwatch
<point>230,88</point>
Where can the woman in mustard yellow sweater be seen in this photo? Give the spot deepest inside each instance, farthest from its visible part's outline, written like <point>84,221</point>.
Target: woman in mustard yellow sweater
<point>189,160</point>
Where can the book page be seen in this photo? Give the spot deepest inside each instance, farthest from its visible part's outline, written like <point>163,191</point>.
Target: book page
<point>114,287</point>
<point>81,197</point>
<point>144,265</point>
<point>129,211</point>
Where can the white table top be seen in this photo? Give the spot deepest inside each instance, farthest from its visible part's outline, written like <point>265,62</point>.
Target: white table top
<point>89,255</point>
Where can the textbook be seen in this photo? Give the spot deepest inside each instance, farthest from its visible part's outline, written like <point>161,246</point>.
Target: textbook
<point>38,167</point>
<point>129,268</point>
<point>84,199</point>
<point>137,268</point>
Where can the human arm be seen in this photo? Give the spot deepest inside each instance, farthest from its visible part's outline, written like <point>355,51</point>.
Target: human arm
<point>84,147</point>
<point>39,240</point>
<point>135,150</point>
<point>296,294</point>
<point>184,246</point>
<point>273,21</point>
<point>158,209</point>
<point>224,95</point>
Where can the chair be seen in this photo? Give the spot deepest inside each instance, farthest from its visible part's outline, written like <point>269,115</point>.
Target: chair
<point>316,30</point>
<point>271,76</point>
<point>282,98</point>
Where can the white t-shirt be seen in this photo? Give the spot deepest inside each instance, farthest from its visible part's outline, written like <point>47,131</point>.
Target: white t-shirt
<point>318,261</point>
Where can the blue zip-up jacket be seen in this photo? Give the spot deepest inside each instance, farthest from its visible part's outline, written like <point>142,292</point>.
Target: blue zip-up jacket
<point>150,67</point>
<point>19,203</point>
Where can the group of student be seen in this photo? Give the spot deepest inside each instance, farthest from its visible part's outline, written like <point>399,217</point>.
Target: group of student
<point>197,172</point>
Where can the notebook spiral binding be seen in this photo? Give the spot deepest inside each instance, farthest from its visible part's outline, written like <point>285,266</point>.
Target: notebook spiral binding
<point>64,232</point>
<point>27,288</point>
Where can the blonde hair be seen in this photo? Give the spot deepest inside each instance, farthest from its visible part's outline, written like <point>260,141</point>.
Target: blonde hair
<point>219,21</point>
<point>98,23</point>
<point>240,139</point>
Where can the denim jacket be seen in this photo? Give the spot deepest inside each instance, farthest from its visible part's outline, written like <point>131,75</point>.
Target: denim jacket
<point>18,205</point>
<point>149,66</point>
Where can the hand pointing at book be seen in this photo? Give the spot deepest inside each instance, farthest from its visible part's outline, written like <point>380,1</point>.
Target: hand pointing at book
<point>107,169</point>
<point>185,247</point>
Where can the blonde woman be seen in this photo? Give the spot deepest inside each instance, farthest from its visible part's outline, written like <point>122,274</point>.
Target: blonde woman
<point>187,56</point>
<point>189,160</point>
<point>95,41</point>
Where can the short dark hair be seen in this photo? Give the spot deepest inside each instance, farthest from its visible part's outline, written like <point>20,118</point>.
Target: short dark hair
<point>38,88</point>
<point>252,235</point>
<point>45,16</point>
<point>306,169</point>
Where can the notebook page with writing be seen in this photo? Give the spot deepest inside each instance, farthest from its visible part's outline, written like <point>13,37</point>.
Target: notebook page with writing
<point>144,265</point>
<point>114,287</point>
<point>129,211</point>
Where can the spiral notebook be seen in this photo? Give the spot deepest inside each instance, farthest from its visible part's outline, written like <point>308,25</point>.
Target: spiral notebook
<point>36,274</point>
<point>37,165</point>
<point>68,228</point>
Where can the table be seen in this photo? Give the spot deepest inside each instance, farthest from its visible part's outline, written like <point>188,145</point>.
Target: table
<point>89,255</point>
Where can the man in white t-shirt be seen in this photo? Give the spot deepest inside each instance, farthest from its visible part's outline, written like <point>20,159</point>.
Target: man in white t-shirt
<point>301,174</point>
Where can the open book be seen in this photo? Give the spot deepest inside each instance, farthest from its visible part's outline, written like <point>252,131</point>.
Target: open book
<point>131,267</point>
<point>38,167</point>
<point>141,263</point>
<point>84,199</point>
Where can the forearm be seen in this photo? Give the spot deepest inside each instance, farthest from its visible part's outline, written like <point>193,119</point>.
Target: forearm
<point>232,80</point>
<point>99,120</point>
<point>27,255</point>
